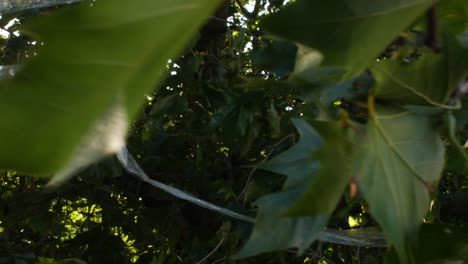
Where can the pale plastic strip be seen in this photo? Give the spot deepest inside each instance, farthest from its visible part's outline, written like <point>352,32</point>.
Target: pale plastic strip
<point>11,6</point>
<point>129,163</point>
<point>357,237</point>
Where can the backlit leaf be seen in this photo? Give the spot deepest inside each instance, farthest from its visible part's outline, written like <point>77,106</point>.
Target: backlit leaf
<point>350,33</point>
<point>430,80</point>
<point>303,163</point>
<point>329,181</point>
<point>400,155</point>
<point>72,104</point>
<point>274,232</point>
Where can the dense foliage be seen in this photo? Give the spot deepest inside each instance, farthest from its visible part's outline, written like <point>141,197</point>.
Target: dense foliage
<point>332,123</point>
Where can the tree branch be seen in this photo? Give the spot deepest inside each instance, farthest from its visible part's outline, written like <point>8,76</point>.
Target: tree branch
<point>432,37</point>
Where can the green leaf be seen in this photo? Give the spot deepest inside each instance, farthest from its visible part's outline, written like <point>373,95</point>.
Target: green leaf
<point>274,232</point>
<point>439,244</point>
<point>421,82</point>
<point>428,81</point>
<point>461,153</point>
<point>278,58</point>
<point>172,104</point>
<point>316,164</point>
<point>461,115</point>
<point>307,67</point>
<point>331,91</point>
<point>72,104</point>
<point>400,154</point>
<point>452,8</point>
<point>297,162</point>
<point>243,119</point>
<point>274,119</point>
<point>316,172</point>
<point>352,35</point>
<point>329,181</point>
<point>298,232</point>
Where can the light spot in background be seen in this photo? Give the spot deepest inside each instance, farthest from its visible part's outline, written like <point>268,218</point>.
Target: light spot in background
<point>11,23</point>
<point>248,46</point>
<point>250,6</point>
<point>4,34</point>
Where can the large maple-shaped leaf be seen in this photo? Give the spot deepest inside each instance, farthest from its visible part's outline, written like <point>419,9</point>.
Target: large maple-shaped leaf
<point>313,187</point>
<point>317,164</point>
<point>73,102</point>
<point>350,33</point>
<point>273,232</point>
<point>430,80</point>
<point>422,82</point>
<point>329,181</point>
<point>399,156</point>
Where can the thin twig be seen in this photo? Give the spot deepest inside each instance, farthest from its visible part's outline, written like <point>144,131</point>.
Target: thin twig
<point>432,37</point>
<point>223,237</point>
<point>219,260</point>
<point>247,183</point>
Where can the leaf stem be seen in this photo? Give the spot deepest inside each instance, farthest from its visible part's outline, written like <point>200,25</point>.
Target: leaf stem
<point>247,183</point>
<point>223,237</point>
<point>371,105</point>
